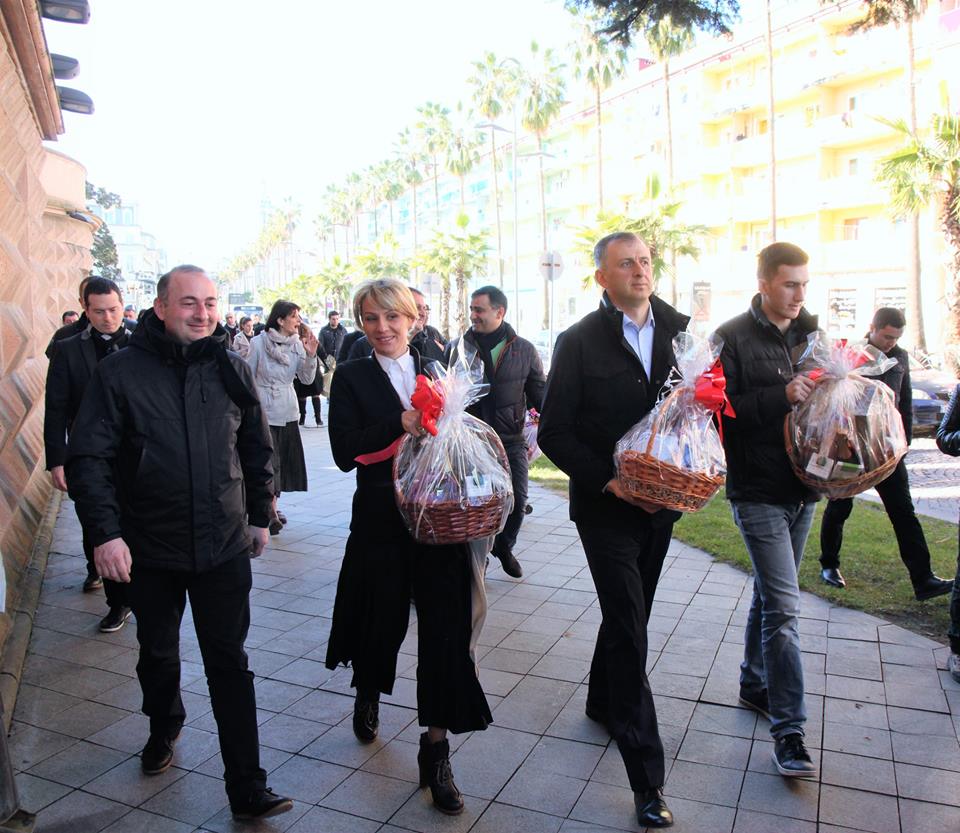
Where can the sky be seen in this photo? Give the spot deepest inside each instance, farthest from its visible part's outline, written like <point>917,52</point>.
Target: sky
<point>205,107</point>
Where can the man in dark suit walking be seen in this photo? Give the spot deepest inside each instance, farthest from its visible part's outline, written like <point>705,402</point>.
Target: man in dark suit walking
<point>607,372</point>
<point>71,367</point>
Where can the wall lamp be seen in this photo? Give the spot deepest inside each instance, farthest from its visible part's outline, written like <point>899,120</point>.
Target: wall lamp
<point>75,101</point>
<point>64,67</point>
<point>66,11</point>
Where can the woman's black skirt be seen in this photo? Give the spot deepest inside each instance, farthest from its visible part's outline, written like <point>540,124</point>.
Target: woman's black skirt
<point>289,466</point>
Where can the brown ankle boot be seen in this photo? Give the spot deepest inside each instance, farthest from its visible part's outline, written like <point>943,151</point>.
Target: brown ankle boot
<point>435,772</point>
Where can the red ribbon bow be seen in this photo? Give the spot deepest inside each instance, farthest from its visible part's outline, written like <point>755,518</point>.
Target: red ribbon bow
<point>427,398</point>
<point>861,357</point>
<point>710,390</point>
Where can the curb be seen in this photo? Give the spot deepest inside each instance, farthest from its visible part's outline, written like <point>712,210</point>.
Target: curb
<point>23,612</point>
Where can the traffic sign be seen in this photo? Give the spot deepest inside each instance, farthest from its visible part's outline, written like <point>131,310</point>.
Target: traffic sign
<point>551,265</point>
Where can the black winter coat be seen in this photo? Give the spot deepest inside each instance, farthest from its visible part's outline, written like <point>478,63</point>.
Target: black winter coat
<point>948,434</point>
<point>597,390</point>
<point>516,384</point>
<point>757,361</point>
<point>71,367</point>
<point>162,456</point>
<point>77,327</point>
<point>898,380</point>
<point>331,338</point>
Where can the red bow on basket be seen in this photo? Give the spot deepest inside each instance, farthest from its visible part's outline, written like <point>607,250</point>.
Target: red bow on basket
<point>860,358</point>
<point>710,390</point>
<point>427,398</point>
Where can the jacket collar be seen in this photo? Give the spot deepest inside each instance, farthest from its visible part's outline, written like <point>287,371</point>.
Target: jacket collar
<point>471,337</point>
<point>663,313</point>
<point>152,336</point>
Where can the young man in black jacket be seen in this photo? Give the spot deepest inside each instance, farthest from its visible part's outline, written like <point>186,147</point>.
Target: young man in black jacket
<point>885,331</point>
<point>71,367</point>
<point>513,369</point>
<point>771,507</point>
<point>607,372</point>
<point>169,464</point>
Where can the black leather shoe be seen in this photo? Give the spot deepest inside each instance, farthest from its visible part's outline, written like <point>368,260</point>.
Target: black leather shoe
<point>435,772</point>
<point>157,755</point>
<point>756,700</point>
<point>932,587</point>
<point>319,422</point>
<point>652,810</point>
<point>510,565</point>
<point>115,619</point>
<point>281,517</point>
<point>261,804</point>
<point>792,759</point>
<point>275,526</point>
<point>303,418</point>
<point>831,575</point>
<point>528,509</point>
<point>366,719</point>
<point>92,582</point>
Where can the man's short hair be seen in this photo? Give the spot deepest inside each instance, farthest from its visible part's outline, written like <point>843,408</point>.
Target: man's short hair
<point>280,309</point>
<point>84,282</point>
<point>163,285</point>
<point>332,313</point>
<point>496,295</point>
<point>387,293</point>
<point>100,286</point>
<point>416,291</point>
<point>67,314</point>
<point>888,317</point>
<point>772,257</point>
<point>600,250</point>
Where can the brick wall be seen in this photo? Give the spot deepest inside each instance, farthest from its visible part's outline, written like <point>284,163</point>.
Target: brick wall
<point>43,255</point>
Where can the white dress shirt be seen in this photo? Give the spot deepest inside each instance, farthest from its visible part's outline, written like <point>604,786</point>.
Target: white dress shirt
<point>640,339</point>
<point>402,375</point>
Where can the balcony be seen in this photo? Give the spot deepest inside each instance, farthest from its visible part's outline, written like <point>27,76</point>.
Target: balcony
<point>848,192</point>
<point>849,129</point>
<point>875,252</point>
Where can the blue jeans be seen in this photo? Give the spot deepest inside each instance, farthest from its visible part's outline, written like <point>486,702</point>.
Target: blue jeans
<point>775,535</point>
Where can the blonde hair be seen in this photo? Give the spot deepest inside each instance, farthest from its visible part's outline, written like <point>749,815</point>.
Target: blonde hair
<point>387,293</point>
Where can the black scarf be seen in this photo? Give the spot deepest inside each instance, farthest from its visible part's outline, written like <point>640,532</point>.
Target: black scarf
<point>104,344</point>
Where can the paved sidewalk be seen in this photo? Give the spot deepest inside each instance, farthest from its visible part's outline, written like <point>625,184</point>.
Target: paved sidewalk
<point>934,481</point>
<point>884,715</point>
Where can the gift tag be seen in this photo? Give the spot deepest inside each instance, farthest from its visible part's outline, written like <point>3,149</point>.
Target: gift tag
<point>478,485</point>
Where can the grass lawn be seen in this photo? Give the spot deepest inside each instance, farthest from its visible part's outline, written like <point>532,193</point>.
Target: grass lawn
<point>877,581</point>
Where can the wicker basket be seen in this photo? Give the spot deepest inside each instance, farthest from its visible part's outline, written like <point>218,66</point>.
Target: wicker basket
<point>836,489</point>
<point>650,479</point>
<point>453,521</point>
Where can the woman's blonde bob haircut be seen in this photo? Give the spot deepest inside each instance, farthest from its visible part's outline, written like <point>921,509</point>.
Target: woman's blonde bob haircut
<point>387,293</point>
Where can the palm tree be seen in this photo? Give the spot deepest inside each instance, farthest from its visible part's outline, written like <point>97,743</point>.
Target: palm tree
<point>666,41</point>
<point>434,130</point>
<point>927,170</point>
<point>460,255</point>
<point>659,228</point>
<point>392,186</point>
<point>598,62</point>
<point>336,281</point>
<point>383,260</point>
<point>494,88</point>
<point>463,148</point>
<point>412,160</point>
<point>543,90</point>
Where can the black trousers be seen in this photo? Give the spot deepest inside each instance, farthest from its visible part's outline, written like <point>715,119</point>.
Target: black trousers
<point>316,408</point>
<point>954,631</point>
<point>625,566</point>
<point>895,494</point>
<point>220,602</point>
<point>115,591</point>
<point>517,456</point>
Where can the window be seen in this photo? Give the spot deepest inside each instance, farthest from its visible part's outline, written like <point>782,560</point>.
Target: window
<point>842,310</point>
<point>853,166</point>
<point>852,228</point>
<point>895,297</point>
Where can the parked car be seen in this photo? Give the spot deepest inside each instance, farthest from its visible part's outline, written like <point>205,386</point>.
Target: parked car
<point>931,392</point>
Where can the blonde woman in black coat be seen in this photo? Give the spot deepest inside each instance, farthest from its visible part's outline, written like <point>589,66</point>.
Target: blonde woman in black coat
<point>369,409</point>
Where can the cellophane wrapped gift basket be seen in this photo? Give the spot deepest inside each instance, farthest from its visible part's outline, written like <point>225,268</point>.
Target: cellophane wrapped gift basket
<point>848,435</point>
<point>453,484</point>
<point>674,457</point>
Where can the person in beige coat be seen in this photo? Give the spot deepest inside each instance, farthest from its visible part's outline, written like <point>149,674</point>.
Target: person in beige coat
<point>276,357</point>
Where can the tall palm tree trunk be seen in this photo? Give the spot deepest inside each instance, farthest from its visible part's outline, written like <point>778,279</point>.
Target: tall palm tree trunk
<point>596,90</point>
<point>772,128</point>
<point>445,305</point>
<point>461,301</point>
<point>416,269</point>
<point>914,300</point>
<point>667,112</point>
<point>543,232</point>
<point>436,190</point>
<point>496,205</point>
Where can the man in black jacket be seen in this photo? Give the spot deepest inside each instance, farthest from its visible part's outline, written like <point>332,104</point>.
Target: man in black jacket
<point>606,374</point>
<point>771,507</point>
<point>332,334</point>
<point>70,370</point>
<point>78,325</point>
<point>170,454</point>
<point>514,371</point>
<point>885,331</point>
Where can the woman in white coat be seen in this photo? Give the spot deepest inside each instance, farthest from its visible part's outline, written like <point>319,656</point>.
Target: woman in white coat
<point>277,356</point>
